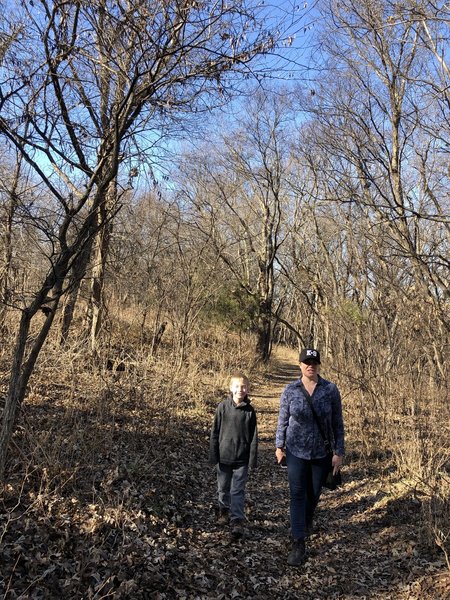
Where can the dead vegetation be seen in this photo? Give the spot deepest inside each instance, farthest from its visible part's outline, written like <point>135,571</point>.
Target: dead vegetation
<point>136,272</point>
<point>109,494</point>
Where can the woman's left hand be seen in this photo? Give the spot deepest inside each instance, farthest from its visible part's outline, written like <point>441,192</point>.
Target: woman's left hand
<point>337,463</point>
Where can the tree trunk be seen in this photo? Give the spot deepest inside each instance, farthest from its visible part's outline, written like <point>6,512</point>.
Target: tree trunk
<point>22,366</point>
<point>264,332</point>
<point>24,361</point>
<point>107,210</point>
<point>78,272</point>
<point>8,251</point>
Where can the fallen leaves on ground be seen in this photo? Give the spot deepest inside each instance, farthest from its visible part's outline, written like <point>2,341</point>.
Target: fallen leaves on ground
<point>148,531</point>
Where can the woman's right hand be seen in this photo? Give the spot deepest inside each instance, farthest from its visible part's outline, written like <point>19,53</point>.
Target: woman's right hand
<point>280,454</point>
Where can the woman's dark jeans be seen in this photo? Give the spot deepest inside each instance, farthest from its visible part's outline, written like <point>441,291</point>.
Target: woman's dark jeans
<point>305,484</point>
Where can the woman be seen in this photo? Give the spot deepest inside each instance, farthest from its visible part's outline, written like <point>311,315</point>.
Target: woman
<point>300,443</point>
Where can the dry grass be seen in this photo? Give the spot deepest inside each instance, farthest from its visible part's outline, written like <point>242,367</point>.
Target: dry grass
<point>96,447</point>
<point>407,435</point>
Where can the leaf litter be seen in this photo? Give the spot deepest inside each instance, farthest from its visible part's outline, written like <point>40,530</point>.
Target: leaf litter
<point>146,529</point>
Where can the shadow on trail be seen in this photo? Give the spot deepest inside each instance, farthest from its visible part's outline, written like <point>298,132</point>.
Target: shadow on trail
<point>361,547</point>
<point>285,374</point>
<point>365,542</point>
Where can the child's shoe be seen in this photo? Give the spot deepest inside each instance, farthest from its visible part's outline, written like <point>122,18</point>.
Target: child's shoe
<point>223,516</point>
<point>237,528</point>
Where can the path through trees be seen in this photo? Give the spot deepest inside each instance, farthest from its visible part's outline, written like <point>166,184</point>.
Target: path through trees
<point>139,522</point>
<point>365,545</point>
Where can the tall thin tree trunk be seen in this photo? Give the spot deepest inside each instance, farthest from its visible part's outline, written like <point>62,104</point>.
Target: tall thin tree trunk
<point>78,272</point>
<point>99,260</point>
<point>7,245</point>
<point>23,364</point>
<point>97,285</point>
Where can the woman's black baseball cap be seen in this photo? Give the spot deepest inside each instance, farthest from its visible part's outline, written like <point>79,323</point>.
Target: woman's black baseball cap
<point>310,354</point>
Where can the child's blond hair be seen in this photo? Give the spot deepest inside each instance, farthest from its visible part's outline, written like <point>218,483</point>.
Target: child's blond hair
<point>239,375</point>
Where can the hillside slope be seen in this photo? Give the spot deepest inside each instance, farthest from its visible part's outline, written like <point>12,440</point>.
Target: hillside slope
<point>142,525</point>
<point>365,544</point>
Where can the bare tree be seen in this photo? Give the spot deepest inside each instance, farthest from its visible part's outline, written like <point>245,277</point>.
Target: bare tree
<point>238,197</point>
<point>80,110</point>
<point>383,154</point>
<point>10,197</point>
<point>140,267</point>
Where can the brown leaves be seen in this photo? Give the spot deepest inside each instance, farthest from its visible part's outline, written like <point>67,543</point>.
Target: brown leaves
<point>139,523</point>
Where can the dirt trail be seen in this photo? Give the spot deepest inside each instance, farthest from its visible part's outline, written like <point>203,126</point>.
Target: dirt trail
<point>364,546</point>
<point>157,538</point>
<point>266,400</point>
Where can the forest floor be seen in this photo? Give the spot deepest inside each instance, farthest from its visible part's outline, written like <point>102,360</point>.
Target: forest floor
<point>365,543</point>
<point>151,533</point>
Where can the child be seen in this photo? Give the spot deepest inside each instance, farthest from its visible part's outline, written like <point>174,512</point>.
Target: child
<point>233,449</point>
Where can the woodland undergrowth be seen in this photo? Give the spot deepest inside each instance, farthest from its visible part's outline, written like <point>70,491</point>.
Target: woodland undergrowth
<point>109,455</point>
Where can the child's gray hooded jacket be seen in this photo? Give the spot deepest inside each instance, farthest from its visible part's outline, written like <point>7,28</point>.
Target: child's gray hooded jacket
<point>234,434</point>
